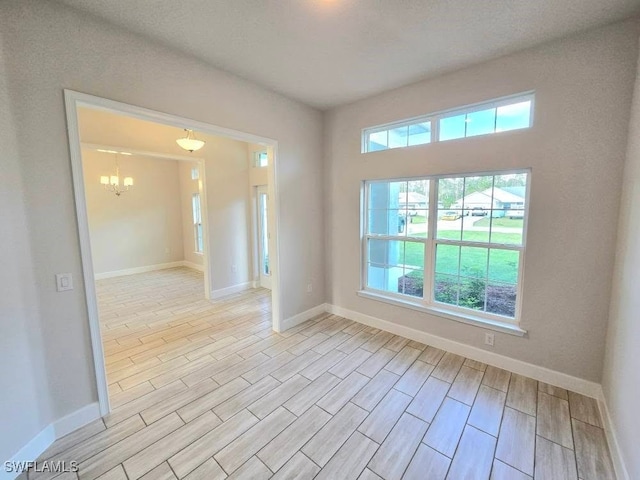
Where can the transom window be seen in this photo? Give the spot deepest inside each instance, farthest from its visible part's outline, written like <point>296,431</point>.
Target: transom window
<point>500,115</point>
<point>451,242</point>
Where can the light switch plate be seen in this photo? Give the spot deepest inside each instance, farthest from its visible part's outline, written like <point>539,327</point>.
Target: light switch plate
<point>64,282</point>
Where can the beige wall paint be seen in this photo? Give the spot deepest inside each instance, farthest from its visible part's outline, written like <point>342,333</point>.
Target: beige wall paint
<point>621,377</point>
<point>576,149</point>
<point>54,47</point>
<point>24,401</point>
<point>188,187</point>
<point>141,227</point>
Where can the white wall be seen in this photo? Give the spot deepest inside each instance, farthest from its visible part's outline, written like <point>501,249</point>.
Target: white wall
<point>576,149</point>
<point>188,186</point>
<point>53,47</point>
<point>141,227</point>
<point>228,202</point>
<point>24,401</point>
<point>621,377</point>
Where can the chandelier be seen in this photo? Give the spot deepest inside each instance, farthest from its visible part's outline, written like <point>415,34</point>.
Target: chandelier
<point>113,183</point>
<point>190,142</point>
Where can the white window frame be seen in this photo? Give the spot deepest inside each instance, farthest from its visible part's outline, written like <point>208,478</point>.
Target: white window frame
<point>196,207</point>
<point>427,303</point>
<point>435,118</point>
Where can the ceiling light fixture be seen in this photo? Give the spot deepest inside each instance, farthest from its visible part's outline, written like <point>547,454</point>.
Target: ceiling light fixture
<point>112,182</point>
<point>190,142</point>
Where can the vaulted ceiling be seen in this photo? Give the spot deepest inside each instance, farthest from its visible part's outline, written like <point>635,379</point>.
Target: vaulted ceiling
<point>329,52</point>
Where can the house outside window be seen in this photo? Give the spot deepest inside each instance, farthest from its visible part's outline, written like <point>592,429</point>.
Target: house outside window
<point>453,243</point>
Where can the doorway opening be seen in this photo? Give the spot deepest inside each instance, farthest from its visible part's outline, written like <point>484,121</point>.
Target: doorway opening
<point>209,242</point>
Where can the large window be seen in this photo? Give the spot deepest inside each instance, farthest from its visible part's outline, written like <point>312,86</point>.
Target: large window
<point>450,242</point>
<point>499,115</point>
<point>197,223</point>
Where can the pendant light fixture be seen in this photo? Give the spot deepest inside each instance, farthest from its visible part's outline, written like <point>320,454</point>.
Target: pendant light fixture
<point>112,182</point>
<point>190,142</point>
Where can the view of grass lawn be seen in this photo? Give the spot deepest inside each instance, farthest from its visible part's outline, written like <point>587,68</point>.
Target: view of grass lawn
<point>418,219</point>
<point>480,236</point>
<point>500,222</point>
<point>503,264</point>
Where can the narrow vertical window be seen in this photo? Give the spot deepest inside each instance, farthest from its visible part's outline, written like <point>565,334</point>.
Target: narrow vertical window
<point>197,223</point>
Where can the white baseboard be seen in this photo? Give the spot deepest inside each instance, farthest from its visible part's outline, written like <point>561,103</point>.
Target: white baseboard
<point>192,265</point>
<point>612,440</point>
<point>52,432</point>
<point>133,271</point>
<point>223,292</point>
<point>301,317</point>
<point>559,379</point>
<point>77,419</point>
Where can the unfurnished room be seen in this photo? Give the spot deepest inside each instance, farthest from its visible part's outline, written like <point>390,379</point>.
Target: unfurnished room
<point>319,239</point>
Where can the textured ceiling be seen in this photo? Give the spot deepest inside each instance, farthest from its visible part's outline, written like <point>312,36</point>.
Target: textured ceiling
<point>329,52</point>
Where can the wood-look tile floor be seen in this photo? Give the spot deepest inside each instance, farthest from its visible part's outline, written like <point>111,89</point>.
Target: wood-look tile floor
<point>206,390</point>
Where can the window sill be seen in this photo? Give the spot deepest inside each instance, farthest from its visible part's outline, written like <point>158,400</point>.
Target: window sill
<point>199,253</point>
<point>485,323</point>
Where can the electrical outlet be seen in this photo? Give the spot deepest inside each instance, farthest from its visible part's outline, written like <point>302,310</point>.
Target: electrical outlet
<point>489,339</point>
<point>309,288</point>
<point>64,282</point>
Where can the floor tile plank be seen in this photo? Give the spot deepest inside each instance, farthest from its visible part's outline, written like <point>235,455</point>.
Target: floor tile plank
<point>584,409</point>
<point>330,438</point>
<point>427,401</point>
<point>554,422</point>
<point>486,413</point>
<point>466,384</point>
<point>474,457</point>
<point>298,468</point>
<point>380,422</point>
<point>554,462</point>
<point>349,462</point>
<point>192,456</point>
<point>446,429</point>
<point>427,464</point>
<point>592,453</point>
<point>414,378</point>
<point>375,390</point>
<point>523,394</point>
<point>283,447</point>
<point>516,442</point>
<point>395,453</point>
<point>231,457</point>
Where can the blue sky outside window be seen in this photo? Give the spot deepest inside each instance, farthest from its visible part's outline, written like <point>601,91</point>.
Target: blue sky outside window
<point>500,115</point>
<point>513,117</point>
<point>481,122</point>
<point>420,133</point>
<point>452,127</point>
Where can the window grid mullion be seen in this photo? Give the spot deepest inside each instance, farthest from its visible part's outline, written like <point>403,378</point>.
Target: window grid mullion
<point>430,243</point>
